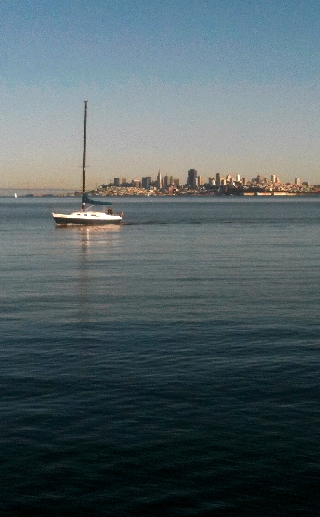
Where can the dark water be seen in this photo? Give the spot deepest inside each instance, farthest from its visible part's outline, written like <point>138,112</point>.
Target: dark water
<point>169,367</point>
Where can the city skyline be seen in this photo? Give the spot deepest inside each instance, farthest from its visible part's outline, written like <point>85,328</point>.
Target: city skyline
<point>222,87</point>
<point>195,180</point>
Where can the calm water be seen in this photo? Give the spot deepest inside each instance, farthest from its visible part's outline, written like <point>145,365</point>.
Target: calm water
<point>167,367</point>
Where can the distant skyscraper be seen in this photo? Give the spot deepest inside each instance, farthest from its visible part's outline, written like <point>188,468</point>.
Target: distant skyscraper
<point>146,182</point>
<point>218,179</point>
<point>273,178</point>
<point>116,182</point>
<point>159,180</point>
<point>192,178</point>
<point>297,181</point>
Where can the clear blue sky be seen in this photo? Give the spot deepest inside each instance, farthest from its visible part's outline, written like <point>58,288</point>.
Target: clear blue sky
<point>220,86</point>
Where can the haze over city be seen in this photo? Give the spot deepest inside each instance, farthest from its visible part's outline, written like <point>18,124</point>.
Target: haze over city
<point>224,87</point>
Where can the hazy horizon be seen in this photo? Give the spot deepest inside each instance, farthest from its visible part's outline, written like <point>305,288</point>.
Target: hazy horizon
<point>212,85</point>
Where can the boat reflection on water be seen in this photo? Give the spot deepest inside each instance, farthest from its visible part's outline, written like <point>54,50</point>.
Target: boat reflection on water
<point>91,234</point>
<point>106,228</point>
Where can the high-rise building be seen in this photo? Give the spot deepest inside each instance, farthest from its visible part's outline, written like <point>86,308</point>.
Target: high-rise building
<point>159,180</point>
<point>297,181</point>
<point>116,182</point>
<point>218,179</point>
<point>192,178</point>
<point>146,182</point>
<point>273,178</point>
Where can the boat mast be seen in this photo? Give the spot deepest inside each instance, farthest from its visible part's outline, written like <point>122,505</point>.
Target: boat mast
<point>84,148</point>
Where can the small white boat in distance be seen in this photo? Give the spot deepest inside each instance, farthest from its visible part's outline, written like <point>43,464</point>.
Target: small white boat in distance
<point>86,215</point>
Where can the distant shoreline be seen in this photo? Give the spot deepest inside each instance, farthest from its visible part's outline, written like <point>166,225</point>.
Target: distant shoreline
<point>111,192</point>
<point>161,195</point>
<point>35,192</point>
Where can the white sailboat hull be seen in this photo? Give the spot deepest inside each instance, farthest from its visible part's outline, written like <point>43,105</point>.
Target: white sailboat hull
<point>87,218</point>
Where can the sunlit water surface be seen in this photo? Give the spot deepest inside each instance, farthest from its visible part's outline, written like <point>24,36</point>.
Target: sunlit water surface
<point>169,366</point>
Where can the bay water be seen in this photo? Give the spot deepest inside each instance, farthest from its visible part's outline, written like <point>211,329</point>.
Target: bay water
<point>165,367</point>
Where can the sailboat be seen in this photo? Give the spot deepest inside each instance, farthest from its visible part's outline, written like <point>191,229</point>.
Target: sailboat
<point>86,215</point>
